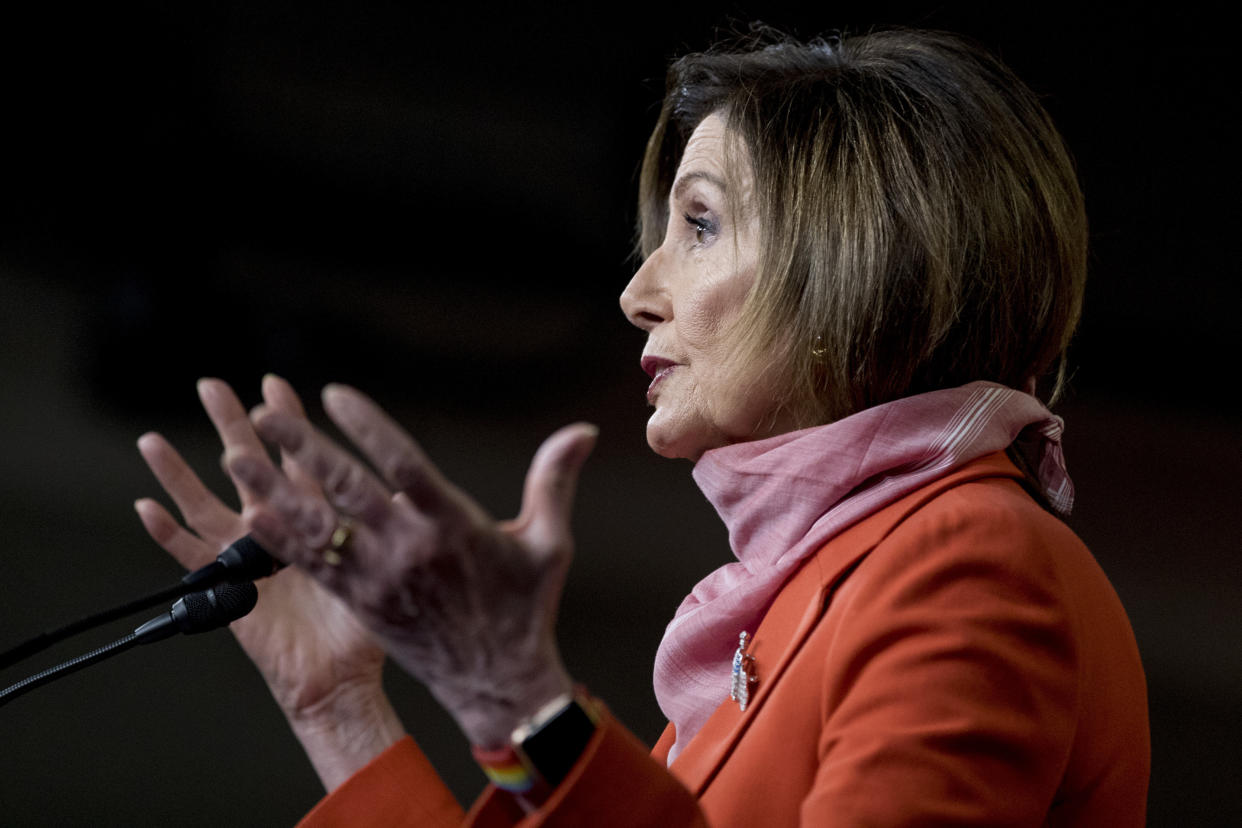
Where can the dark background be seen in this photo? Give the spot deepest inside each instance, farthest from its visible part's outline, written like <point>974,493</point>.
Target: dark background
<point>436,205</point>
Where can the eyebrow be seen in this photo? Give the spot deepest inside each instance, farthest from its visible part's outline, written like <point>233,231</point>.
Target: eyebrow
<point>683,183</point>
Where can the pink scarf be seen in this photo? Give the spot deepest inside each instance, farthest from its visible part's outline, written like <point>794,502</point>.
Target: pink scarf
<point>783,498</point>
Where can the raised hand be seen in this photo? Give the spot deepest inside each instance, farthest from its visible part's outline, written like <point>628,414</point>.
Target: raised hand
<point>322,666</point>
<point>463,602</point>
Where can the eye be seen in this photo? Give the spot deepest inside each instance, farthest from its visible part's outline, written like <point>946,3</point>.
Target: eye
<point>701,226</point>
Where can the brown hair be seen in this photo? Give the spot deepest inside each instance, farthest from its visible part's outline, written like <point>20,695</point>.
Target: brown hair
<point>921,224</point>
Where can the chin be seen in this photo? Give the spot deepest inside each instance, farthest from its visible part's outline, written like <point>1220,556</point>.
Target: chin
<point>675,443</point>
<point>665,447</point>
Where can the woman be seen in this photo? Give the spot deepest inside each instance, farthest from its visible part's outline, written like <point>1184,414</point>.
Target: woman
<point>855,253</point>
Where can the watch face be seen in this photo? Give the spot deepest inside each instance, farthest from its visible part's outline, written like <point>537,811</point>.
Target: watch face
<point>554,748</point>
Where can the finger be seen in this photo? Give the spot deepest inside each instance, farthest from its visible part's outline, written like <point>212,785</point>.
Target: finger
<point>393,452</point>
<point>551,484</point>
<point>190,550</point>
<point>202,510</point>
<point>345,481</point>
<point>229,417</point>
<point>275,534</point>
<point>307,521</point>
<point>279,395</point>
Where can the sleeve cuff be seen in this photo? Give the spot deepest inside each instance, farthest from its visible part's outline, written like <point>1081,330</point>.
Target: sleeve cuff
<point>397,788</point>
<point>614,783</point>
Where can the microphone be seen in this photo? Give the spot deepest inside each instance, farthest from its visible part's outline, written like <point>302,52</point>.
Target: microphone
<point>195,613</point>
<point>244,560</point>
<point>200,612</point>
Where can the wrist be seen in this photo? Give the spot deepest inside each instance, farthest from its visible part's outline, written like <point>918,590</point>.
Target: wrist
<point>488,714</point>
<point>346,730</point>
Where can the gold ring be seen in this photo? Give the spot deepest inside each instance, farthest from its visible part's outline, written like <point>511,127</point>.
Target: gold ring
<point>337,544</point>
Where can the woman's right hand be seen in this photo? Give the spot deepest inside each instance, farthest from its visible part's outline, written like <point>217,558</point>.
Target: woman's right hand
<point>322,666</point>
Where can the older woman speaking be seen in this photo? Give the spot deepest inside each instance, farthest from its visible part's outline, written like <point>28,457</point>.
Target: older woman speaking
<point>863,262</point>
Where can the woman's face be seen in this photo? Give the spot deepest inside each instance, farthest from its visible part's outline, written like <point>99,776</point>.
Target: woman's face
<point>685,296</point>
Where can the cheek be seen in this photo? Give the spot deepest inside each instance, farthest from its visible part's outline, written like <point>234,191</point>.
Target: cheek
<point>708,313</point>
<point>739,401</point>
<point>724,390</point>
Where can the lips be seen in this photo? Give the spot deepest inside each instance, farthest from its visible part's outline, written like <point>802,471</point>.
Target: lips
<point>654,365</point>
<point>658,368</point>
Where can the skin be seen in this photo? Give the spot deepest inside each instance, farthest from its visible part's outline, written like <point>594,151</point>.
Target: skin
<point>686,295</point>
<point>465,603</point>
<point>427,576</point>
<point>321,664</point>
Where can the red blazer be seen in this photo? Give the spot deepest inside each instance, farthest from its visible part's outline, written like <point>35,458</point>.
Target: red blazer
<point>958,658</point>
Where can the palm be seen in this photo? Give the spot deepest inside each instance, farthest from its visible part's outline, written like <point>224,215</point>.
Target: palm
<point>304,641</point>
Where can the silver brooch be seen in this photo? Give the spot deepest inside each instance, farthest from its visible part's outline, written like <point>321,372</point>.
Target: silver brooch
<point>743,673</point>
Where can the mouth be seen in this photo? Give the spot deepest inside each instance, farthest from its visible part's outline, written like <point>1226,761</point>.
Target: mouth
<point>654,365</point>
<point>658,368</point>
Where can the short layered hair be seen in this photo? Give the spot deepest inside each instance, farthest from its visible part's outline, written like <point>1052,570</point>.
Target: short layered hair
<point>920,220</point>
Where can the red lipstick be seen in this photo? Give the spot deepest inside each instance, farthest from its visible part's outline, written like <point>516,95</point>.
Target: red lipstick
<point>657,368</point>
<point>654,364</point>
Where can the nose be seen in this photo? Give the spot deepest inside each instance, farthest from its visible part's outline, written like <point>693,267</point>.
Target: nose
<point>644,301</point>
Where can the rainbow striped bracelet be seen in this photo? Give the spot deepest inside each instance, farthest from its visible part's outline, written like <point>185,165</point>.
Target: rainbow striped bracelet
<point>504,768</point>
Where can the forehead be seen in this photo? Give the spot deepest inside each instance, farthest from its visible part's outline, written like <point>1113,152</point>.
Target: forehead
<point>715,156</point>
<point>706,147</point>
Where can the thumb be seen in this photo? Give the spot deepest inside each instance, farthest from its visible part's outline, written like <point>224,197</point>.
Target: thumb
<point>551,483</point>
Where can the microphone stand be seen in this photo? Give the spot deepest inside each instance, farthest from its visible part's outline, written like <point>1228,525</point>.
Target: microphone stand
<point>47,638</point>
<point>195,613</point>
<point>243,561</point>
<point>71,666</point>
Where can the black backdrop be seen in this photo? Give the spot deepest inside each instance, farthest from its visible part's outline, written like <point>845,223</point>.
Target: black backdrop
<point>436,205</point>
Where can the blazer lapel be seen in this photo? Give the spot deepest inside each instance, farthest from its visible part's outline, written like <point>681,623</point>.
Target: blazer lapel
<point>793,615</point>
<point>798,607</point>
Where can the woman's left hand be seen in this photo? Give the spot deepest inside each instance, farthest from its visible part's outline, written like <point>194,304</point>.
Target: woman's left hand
<point>465,603</point>
<point>323,667</point>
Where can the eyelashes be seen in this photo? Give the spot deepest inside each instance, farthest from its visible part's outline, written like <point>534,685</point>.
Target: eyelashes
<point>702,228</point>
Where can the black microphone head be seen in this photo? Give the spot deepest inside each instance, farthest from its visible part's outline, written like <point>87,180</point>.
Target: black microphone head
<point>245,560</point>
<point>213,608</point>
